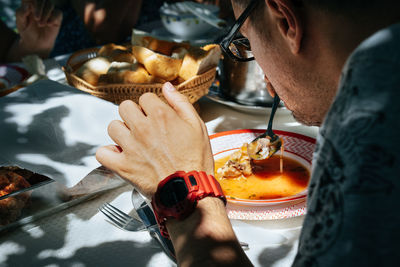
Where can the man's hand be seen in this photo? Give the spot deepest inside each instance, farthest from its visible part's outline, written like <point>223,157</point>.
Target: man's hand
<point>38,23</point>
<point>156,139</point>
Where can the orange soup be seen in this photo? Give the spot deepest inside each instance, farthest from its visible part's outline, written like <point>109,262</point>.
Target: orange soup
<point>266,180</point>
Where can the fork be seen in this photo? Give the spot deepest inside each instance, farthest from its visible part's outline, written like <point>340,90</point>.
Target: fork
<point>126,222</point>
<point>121,219</point>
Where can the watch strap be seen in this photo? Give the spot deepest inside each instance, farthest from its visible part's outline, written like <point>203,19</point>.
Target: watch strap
<point>200,185</point>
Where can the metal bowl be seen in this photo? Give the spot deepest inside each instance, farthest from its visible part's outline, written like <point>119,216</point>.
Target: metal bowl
<point>243,82</point>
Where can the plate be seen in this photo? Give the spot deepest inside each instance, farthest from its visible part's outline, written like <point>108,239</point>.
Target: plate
<point>215,96</point>
<point>10,77</point>
<point>297,146</point>
<point>207,38</point>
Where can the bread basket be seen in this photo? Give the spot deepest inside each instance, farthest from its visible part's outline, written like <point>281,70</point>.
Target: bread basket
<point>193,88</point>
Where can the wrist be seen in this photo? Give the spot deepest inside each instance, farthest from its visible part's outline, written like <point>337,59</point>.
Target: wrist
<point>18,50</point>
<point>209,215</point>
<point>24,48</point>
<point>206,237</point>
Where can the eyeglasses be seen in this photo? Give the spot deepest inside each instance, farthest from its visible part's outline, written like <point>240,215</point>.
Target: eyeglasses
<point>235,45</point>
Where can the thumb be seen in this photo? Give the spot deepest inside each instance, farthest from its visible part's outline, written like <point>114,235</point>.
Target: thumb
<point>179,103</point>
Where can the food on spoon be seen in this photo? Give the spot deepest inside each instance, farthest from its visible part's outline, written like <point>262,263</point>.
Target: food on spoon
<point>91,70</point>
<point>263,148</point>
<point>11,207</point>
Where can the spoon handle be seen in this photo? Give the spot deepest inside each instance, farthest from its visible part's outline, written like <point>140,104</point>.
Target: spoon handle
<point>271,117</point>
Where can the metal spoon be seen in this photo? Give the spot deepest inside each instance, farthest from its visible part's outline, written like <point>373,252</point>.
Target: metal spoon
<point>268,143</point>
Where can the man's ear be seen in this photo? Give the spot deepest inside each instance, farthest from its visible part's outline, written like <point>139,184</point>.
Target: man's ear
<point>287,17</point>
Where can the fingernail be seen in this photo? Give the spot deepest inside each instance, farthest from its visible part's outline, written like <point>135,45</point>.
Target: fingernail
<point>169,87</point>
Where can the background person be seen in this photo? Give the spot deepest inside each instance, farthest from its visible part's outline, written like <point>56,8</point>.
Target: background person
<point>38,27</point>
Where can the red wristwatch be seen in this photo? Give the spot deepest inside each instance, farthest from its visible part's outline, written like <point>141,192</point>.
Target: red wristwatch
<point>177,195</point>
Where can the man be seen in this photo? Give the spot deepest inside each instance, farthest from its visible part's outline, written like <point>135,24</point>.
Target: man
<point>302,46</point>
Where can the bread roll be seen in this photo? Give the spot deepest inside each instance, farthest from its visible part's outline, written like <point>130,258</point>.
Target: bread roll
<point>91,70</point>
<point>179,52</point>
<point>199,60</point>
<point>160,46</point>
<point>126,73</point>
<point>117,53</point>
<point>164,67</point>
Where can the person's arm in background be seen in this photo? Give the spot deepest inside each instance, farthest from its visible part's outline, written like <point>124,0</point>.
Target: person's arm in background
<point>155,140</point>
<point>38,23</point>
<point>108,20</point>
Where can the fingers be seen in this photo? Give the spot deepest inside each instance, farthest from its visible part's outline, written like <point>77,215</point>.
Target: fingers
<point>131,113</point>
<point>110,157</point>
<point>179,103</point>
<point>47,12</point>
<point>56,18</point>
<point>153,106</point>
<point>38,8</point>
<point>119,133</point>
<point>22,15</point>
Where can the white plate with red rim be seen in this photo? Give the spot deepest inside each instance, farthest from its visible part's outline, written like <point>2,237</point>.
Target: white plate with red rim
<point>10,77</point>
<point>296,146</point>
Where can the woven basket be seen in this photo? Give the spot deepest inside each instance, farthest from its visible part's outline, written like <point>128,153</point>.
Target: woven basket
<point>193,88</point>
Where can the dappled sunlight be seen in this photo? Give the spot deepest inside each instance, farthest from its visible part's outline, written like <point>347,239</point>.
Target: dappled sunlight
<point>54,130</point>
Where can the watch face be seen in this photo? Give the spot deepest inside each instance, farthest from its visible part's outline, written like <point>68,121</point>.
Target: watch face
<point>173,192</point>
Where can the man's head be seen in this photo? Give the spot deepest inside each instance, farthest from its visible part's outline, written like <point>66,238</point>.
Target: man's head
<point>302,45</point>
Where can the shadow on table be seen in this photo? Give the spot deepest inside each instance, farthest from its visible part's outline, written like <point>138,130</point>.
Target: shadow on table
<point>271,256</point>
<point>32,131</point>
<point>43,242</point>
<point>134,254</point>
<point>18,142</point>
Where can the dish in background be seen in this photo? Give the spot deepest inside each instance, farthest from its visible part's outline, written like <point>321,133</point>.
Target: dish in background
<point>297,146</point>
<point>183,23</point>
<point>10,77</point>
<point>215,95</point>
<point>206,38</point>
<point>16,186</point>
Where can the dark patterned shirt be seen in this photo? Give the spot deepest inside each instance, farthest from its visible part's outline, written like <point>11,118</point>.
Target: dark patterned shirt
<point>353,214</point>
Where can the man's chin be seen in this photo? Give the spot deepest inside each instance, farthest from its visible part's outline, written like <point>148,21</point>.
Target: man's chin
<point>301,118</point>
